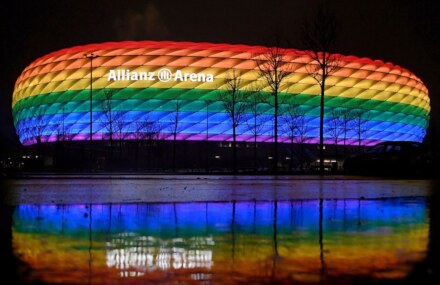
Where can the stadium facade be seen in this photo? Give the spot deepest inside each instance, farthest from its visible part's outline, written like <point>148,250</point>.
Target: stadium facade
<point>146,80</point>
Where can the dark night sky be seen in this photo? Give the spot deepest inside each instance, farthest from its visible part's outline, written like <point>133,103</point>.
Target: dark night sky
<point>405,33</point>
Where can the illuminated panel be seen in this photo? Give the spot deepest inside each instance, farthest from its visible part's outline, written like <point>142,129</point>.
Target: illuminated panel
<point>174,242</point>
<point>51,96</point>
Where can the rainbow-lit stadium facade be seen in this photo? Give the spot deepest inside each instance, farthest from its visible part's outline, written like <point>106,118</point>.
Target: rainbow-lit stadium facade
<point>53,92</point>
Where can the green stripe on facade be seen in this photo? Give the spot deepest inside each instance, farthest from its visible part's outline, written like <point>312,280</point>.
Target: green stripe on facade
<point>148,99</point>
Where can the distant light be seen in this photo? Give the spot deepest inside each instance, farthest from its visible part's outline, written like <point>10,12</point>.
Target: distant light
<point>270,157</point>
<point>287,157</point>
<point>36,156</point>
<point>327,160</point>
<point>217,156</point>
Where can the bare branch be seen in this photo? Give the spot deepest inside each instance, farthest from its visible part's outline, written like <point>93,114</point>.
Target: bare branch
<point>319,38</point>
<point>274,67</point>
<point>360,117</point>
<point>234,99</point>
<point>38,122</point>
<point>147,129</point>
<point>335,124</point>
<point>295,124</point>
<point>109,114</point>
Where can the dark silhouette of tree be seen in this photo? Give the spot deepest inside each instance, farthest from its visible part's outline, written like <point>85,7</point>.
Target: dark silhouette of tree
<point>113,122</point>
<point>38,124</point>
<point>119,124</point>
<point>138,136</point>
<point>59,133</point>
<point>235,105</point>
<point>335,126</point>
<point>175,126</point>
<point>346,117</point>
<point>295,128</point>
<point>61,129</point>
<point>60,140</point>
<point>319,37</point>
<point>206,144</point>
<point>289,128</point>
<point>274,68</point>
<point>321,237</point>
<point>258,121</point>
<point>146,132</point>
<point>302,130</point>
<point>109,117</point>
<point>359,121</point>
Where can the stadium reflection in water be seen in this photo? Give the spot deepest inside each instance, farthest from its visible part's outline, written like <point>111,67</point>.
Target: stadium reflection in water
<point>231,242</point>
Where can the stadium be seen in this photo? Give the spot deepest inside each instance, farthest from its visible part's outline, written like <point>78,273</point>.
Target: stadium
<point>118,90</point>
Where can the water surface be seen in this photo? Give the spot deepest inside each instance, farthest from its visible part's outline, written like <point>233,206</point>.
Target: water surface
<point>230,242</point>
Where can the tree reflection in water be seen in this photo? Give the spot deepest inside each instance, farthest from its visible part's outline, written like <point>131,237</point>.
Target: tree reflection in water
<point>229,242</point>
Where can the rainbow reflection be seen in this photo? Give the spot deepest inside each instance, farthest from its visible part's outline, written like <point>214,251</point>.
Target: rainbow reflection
<point>234,242</point>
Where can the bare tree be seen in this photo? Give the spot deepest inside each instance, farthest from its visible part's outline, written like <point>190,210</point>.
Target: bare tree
<point>113,122</point>
<point>346,117</point>
<point>235,105</point>
<point>206,144</point>
<point>335,126</point>
<point>59,133</point>
<point>175,126</point>
<point>61,129</point>
<point>258,120</point>
<point>138,136</point>
<point>109,117</point>
<point>289,128</point>
<point>302,129</point>
<point>295,127</point>
<point>146,130</point>
<point>359,121</point>
<point>274,68</point>
<point>119,124</point>
<point>38,125</point>
<point>319,37</point>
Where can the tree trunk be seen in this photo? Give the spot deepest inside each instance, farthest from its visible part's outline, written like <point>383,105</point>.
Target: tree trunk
<point>255,135</point>
<point>321,236</point>
<point>111,145</point>
<point>321,129</point>
<point>275,152</point>
<point>207,138</point>
<point>275,231</point>
<point>345,140</point>
<point>174,151</point>
<point>234,150</point>
<point>291,154</point>
<point>255,153</point>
